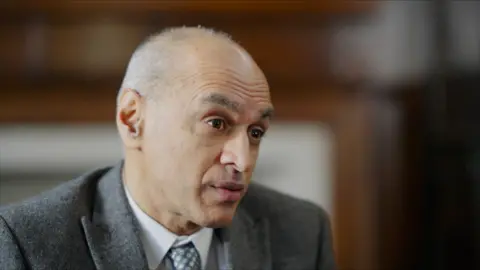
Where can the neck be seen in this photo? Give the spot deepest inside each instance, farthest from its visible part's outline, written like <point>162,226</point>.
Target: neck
<point>151,201</point>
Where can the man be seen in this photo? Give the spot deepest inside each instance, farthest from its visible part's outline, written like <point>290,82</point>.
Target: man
<point>191,113</point>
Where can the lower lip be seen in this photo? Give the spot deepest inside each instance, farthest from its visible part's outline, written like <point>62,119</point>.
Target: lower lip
<point>227,195</point>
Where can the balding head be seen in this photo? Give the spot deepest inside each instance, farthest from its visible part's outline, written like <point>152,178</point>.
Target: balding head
<point>182,152</point>
<point>157,61</point>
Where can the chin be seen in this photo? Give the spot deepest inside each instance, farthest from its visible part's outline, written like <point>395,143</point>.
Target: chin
<point>218,217</point>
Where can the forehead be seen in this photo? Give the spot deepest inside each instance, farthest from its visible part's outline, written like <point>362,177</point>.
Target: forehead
<point>229,89</point>
<point>236,77</point>
<point>208,66</point>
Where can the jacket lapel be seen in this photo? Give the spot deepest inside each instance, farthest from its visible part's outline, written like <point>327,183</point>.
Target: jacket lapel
<point>112,231</point>
<point>249,239</point>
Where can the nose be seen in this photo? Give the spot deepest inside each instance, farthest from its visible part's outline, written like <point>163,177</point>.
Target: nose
<point>237,152</point>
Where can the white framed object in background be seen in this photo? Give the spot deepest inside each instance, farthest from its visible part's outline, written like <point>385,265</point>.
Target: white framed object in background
<point>297,159</point>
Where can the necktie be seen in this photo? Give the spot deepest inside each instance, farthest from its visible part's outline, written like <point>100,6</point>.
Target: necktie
<point>185,257</point>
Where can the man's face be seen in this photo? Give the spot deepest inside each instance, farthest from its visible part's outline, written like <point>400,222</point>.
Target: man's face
<point>201,142</point>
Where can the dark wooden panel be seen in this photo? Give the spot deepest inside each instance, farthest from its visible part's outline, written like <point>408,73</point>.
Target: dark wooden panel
<point>325,6</point>
<point>55,105</point>
<point>88,102</point>
<point>355,205</point>
<point>102,49</point>
<point>55,47</point>
<point>12,48</point>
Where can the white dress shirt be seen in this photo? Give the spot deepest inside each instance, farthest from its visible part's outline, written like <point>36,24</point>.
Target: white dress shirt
<point>157,240</point>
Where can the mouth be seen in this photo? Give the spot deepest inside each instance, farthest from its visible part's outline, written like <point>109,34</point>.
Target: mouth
<point>229,191</point>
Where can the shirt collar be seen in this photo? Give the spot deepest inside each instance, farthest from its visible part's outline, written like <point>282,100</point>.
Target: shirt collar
<point>157,240</point>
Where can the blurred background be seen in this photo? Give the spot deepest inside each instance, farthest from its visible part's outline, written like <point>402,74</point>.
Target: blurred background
<point>377,109</point>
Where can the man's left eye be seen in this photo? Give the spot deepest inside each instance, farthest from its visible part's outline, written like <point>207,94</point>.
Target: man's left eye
<point>256,133</point>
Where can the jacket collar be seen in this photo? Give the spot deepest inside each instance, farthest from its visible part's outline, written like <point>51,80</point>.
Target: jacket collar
<point>249,240</point>
<point>112,232</point>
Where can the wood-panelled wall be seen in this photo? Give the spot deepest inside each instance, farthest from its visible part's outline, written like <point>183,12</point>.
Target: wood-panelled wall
<point>62,62</point>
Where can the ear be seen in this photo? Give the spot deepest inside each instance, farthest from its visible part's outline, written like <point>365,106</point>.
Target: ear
<point>129,118</point>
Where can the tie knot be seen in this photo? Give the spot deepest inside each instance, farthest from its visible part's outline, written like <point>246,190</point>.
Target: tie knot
<point>185,257</point>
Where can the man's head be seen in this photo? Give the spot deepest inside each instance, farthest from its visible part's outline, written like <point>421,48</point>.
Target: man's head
<point>191,112</point>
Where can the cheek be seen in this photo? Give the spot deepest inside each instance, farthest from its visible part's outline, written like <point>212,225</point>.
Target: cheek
<point>161,150</point>
<point>254,152</point>
<point>248,177</point>
<point>176,149</point>
<point>207,159</point>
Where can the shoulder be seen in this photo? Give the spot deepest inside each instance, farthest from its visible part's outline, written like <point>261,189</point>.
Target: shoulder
<point>282,209</point>
<point>45,230</point>
<point>55,206</point>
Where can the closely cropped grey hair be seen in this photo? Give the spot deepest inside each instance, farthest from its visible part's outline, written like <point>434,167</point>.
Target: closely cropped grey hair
<point>150,63</point>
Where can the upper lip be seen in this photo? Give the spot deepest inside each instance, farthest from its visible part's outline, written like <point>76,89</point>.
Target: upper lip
<point>233,186</point>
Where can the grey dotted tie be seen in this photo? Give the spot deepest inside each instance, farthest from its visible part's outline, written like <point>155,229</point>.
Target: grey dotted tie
<point>185,257</point>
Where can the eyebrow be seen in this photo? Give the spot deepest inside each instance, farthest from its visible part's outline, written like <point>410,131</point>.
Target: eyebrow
<point>267,113</point>
<point>221,100</point>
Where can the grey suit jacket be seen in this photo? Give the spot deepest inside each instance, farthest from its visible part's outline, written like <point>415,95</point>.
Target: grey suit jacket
<point>87,224</point>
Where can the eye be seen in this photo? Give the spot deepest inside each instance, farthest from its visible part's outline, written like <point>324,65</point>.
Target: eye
<point>217,123</point>
<point>257,133</point>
